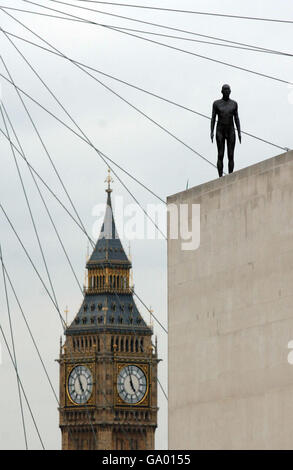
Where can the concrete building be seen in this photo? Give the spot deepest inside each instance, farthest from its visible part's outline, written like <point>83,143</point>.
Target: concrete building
<point>231,314</point>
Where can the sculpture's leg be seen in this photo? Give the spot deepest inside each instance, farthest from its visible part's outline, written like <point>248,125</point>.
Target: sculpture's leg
<point>230,149</point>
<point>220,138</point>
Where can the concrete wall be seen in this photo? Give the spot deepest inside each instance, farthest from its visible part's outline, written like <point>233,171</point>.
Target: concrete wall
<point>231,314</point>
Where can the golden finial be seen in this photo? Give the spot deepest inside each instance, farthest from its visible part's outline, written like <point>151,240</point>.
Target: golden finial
<point>86,284</point>
<point>131,271</point>
<point>109,180</point>
<point>66,314</point>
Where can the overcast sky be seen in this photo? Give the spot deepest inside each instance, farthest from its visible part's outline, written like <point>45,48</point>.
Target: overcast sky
<point>155,158</point>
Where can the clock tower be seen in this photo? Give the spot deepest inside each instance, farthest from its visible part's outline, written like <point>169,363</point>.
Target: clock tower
<point>108,363</point>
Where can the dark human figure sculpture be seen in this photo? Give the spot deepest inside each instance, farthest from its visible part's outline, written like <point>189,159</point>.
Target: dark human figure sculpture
<point>226,110</point>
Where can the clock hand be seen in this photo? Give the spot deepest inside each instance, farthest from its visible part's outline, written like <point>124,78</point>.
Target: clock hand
<point>80,384</point>
<point>131,383</point>
<point>132,386</point>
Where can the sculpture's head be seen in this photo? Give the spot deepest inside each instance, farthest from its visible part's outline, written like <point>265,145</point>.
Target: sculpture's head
<point>226,90</point>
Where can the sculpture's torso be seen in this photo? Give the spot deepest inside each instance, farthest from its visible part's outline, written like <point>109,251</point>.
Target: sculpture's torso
<point>225,111</point>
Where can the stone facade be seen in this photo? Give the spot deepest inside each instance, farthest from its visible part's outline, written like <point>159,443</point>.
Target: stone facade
<point>103,423</point>
<point>108,363</point>
<point>231,314</point>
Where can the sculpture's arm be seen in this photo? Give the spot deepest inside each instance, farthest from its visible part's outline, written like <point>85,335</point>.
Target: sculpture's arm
<point>237,122</point>
<point>213,121</point>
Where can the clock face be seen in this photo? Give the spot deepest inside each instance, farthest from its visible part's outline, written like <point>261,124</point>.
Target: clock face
<point>131,384</point>
<point>80,384</point>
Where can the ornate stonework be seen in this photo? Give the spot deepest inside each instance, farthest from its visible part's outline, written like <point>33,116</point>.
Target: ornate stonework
<point>108,364</point>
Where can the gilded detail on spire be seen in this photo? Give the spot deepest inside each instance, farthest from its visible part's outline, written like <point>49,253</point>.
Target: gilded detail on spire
<point>109,180</point>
